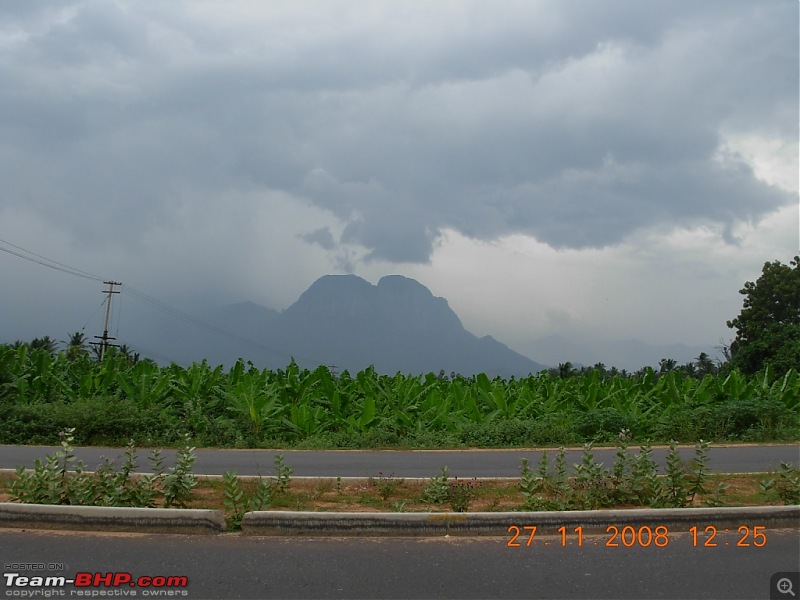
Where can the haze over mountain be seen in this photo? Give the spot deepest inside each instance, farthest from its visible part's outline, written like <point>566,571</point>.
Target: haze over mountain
<point>343,320</point>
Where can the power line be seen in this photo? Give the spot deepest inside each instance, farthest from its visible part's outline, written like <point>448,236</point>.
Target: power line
<point>142,297</point>
<point>179,314</point>
<point>47,262</point>
<point>96,310</point>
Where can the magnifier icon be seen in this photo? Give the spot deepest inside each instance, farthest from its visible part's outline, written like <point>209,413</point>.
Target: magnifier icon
<point>784,586</point>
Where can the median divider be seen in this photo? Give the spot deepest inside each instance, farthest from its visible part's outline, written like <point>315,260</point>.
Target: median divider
<point>429,524</point>
<point>285,523</point>
<point>102,518</point>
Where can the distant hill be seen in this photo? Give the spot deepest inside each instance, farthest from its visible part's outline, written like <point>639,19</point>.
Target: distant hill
<point>343,320</point>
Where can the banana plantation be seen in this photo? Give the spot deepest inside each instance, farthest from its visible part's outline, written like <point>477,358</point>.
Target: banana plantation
<point>120,400</point>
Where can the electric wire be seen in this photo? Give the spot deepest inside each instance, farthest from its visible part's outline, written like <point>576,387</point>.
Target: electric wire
<point>142,297</point>
<point>48,262</point>
<point>179,314</point>
<point>94,314</point>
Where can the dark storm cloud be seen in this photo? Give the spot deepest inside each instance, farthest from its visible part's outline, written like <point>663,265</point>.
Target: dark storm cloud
<point>577,123</point>
<point>322,237</point>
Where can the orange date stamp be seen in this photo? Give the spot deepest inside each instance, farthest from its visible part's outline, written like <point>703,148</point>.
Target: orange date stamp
<point>645,536</point>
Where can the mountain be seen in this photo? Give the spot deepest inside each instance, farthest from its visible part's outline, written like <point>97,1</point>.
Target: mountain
<point>244,317</point>
<point>343,320</point>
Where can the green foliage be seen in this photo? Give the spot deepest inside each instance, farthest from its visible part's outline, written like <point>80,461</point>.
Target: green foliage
<point>48,482</point>
<point>768,327</point>
<point>458,494</point>
<point>61,479</point>
<point>604,424</point>
<point>387,486</point>
<point>716,498</point>
<point>235,503</point>
<point>674,495</point>
<point>591,484</point>
<point>559,483</point>
<point>233,500</point>
<point>633,479</point>
<point>97,421</point>
<point>531,486</point>
<point>622,481</point>
<point>283,475</point>
<point>785,486</point>
<point>262,498</point>
<point>438,490</point>
<point>698,477</point>
<point>645,485</point>
<point>112,487</point>
<point>534,486</point>
<point>179,482</point>
<point>113,401</point>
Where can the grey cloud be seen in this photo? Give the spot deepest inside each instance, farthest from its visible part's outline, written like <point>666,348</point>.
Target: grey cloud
<point>322,237</point>
<point>577,123</point>
<point>391,238</point>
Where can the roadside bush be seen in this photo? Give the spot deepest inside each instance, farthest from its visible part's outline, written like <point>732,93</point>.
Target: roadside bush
<point>61,479</point>
<point>757,420</point>
<point>604,424</point>
<point>783,486</point>
<point>499,434</point>
<point>331,439</point>
<point>555,429</point>
<point>381,436</point>
<point>432,439</point>
<point>97,422</point>
<point>686,423</point>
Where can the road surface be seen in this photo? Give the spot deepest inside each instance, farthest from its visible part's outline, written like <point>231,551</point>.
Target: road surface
<point>233,566</point>
<point>463,464</point>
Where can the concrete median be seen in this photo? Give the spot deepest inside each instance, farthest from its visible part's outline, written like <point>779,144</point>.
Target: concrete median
<point>284,523</point>
<point>101,518</point>
<point>430,524</point>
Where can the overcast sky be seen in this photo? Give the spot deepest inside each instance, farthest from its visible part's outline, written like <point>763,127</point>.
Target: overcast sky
<point>595,171</point>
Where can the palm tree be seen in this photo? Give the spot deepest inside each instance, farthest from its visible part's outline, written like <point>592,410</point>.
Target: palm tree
<point>665,365</point>
<point>689,369</point>
<point>131,356</point>
<point>76,345</point>
<point>705,365</point>
<point>565,370</point>
<point>44,343</point>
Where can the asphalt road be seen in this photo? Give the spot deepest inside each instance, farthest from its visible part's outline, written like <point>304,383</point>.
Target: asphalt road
<point>232,566</point>
<point>464,464</point>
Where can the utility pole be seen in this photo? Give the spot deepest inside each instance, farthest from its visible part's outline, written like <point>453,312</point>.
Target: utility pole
<point>103,343</point>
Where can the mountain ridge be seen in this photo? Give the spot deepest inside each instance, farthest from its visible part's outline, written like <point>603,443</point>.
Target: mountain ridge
<point>396,325</point>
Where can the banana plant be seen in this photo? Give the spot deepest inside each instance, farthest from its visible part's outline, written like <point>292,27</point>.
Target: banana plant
<point>257,401</point>
<point>145,383</point>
